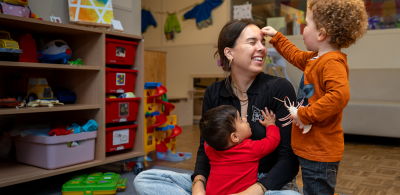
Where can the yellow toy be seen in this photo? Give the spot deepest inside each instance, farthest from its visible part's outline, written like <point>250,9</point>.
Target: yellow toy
<point>160,127</point>
<point>38,89</point>
<point>6,41</point>
<point>17,8</point>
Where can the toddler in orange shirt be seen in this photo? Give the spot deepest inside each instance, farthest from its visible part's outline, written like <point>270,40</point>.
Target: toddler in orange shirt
<point>330,26</point>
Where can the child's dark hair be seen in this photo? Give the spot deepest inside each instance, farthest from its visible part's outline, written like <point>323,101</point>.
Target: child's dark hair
<point>217,125</point>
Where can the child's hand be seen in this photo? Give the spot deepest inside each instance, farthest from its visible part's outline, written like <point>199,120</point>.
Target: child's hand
<point>269,118</point>
<point>269,31</point>
<point>296,120</point>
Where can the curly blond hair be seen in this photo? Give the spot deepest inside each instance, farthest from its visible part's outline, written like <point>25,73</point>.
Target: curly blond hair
<point>345,21</point>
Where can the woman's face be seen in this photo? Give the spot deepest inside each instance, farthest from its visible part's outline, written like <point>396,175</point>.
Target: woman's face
<point>249,52</point>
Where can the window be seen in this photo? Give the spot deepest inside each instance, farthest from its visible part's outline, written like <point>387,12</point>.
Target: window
<point>32,81</point>
<point>288,16</point>
<point>383,14</point>
<point>42,82</point>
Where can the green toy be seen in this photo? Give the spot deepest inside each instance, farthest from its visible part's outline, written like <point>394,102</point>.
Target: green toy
<point>94,184</point>
<point>77,62</point>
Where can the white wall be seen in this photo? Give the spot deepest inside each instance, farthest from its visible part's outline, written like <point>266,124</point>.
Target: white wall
<point>192,50</point>
<point>127,11</point>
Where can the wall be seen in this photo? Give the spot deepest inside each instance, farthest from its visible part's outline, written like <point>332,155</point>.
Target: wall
<point>192,50</point>
<point>127,11</point>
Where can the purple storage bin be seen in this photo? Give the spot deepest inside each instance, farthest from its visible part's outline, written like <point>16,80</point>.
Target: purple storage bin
<point>52,152</point>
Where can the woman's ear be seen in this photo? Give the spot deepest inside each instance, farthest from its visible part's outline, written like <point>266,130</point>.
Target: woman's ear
<point>322,35</point>
<point>228,53</point>
<point>234,138</point>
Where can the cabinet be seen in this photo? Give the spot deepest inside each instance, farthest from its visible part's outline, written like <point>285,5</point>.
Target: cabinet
<point>87,81</point>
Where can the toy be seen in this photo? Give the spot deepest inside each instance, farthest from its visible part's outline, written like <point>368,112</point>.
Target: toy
<point>28,46</point>
<point>127,95</point>
<point>10,102</point>
<point>50,103</point>
<point>9,49</point>
<point>17,8</point>
<point>64,95</point>
<point>60,130</point>
<point>292,109</point>
<point>95,183</point>
<point>160,128</point>
<point>77,62</point>
<point>56,51</point>
<point>23,85</point>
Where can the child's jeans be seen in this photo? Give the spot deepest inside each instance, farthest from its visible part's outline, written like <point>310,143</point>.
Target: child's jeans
<point>319,178</point>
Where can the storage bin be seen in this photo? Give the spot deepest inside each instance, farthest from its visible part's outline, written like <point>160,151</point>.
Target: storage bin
<point>120,52</point>
<point>121,109</point>
<point>120,137</point>
<point>120,80</point>
<point>52,152</point>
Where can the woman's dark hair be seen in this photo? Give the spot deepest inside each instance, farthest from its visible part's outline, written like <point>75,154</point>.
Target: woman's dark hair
<point>217,125</point>
<point>227,38</point>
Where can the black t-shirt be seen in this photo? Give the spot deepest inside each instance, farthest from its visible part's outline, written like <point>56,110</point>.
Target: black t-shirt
<point>281,165</point>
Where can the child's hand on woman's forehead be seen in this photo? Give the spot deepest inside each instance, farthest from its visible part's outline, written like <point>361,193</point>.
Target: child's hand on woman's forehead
<point>269,31</point>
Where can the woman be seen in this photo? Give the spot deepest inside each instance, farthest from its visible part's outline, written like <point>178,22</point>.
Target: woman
<point>242,52</point>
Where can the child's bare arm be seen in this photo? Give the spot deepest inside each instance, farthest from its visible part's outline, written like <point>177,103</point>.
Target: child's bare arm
<point>289,51</point>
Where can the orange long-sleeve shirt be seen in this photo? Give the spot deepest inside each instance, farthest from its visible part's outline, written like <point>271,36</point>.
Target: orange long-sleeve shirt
<point>329,74</point>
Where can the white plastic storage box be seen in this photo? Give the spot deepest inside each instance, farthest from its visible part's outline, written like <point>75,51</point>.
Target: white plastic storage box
<point>52,152</point>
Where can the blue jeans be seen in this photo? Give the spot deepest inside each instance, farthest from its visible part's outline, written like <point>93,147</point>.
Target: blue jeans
<point>154,182</point>
<point>318,177</point>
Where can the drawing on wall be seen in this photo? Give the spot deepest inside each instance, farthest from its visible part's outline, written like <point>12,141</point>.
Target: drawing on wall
<point>97,11</point>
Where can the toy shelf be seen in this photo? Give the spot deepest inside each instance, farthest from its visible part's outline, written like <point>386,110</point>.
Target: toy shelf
<point>87,81</point>
<point>56,108</point>
<point>47,66</point>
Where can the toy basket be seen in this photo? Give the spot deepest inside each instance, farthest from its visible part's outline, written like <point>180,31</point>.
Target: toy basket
<point>120,137</point>
<point>120,80</point>
<point>52,152</point>
<point>121,109</point>
<point>120,52</point>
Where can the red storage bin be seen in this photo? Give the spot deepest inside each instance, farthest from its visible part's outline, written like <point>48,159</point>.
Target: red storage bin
<point>120,137</point>
<point>120,80</point>
<point>121,109</point>
<point>120,52</point>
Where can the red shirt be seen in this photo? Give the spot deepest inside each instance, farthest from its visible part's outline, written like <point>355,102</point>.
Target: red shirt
<point>235,169</point>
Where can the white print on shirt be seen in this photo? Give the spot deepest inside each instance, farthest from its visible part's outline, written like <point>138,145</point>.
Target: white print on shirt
<point>256,114</point>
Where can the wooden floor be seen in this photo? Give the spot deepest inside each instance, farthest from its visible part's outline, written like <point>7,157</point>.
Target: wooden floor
<point>370,165</point>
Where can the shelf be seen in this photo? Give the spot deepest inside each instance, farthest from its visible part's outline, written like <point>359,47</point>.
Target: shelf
<point>56,108</point>
<point>47,66</point>
<point>12,172</point>
<point>122,155</point>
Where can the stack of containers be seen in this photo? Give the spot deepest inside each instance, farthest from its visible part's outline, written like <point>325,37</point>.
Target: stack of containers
<point>120,112</point>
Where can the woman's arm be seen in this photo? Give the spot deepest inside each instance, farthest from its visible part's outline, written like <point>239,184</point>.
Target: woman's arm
<point>199,188</point>
<point>287,165</point>
<point>202,167</point>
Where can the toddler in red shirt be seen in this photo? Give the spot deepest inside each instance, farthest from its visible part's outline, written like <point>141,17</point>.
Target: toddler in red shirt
<point>233,157</point>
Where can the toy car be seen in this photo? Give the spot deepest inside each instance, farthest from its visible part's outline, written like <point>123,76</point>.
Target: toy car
<point>9,49</point>
<point>56,51</point>
<point>22,85</point>
<point>64,95</point>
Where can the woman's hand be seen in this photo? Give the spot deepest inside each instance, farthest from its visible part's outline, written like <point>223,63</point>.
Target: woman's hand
<point>269,118</point>
<point>199,188</point>
<point>255,189</point>
<point>269,31</point>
